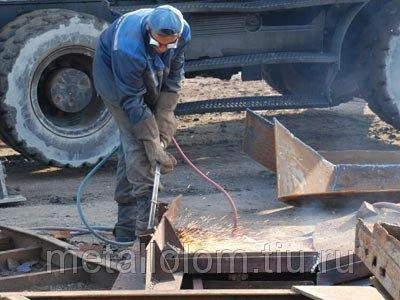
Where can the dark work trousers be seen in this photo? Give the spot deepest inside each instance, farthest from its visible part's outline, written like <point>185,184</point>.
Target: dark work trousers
<point>134,179</point>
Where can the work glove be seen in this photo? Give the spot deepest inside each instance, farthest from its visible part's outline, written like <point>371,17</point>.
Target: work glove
<point>165,118</point>
<point>147,131</point>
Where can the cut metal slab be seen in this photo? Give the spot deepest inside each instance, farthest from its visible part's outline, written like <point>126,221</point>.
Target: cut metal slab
<point>379,249</point>
<point>149,247</point>
<point>245,263</point>
<point>259,144</point>
<point>305,176</point>
<point>339,292</point>
<point>259,140</point>
<point>341,270</point>
<point>170,295</point>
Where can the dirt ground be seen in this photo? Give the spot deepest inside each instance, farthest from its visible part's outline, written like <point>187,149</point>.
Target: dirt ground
<point>212,142</point>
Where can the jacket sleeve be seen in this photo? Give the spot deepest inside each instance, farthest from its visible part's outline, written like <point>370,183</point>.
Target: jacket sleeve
<point>128,73</point>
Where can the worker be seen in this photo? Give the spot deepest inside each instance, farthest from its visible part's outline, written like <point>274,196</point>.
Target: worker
<point>137,69</point>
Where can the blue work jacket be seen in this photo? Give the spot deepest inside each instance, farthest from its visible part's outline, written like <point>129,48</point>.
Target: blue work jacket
<point>129,72</point>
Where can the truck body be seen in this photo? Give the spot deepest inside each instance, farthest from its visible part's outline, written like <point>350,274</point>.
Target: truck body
<point>316,53</point>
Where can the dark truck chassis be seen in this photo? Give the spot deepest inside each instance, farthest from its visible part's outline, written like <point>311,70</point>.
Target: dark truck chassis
<point>308,50</point>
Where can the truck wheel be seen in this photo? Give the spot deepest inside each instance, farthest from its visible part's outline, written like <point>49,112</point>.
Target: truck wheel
<point>49,108</point>
<point>381,48</point>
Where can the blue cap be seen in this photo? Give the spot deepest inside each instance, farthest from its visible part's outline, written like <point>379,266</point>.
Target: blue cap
<point>166,20</point>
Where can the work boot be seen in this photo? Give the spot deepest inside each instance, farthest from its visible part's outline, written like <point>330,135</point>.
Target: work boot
<point>143,214</point>
<point>124,230</point>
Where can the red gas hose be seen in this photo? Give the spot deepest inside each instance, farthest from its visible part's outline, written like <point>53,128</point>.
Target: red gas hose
<point>235,215</point>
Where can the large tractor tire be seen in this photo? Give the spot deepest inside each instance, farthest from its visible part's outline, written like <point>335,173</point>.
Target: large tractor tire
<point>49,108</point>
<point>380,45</point>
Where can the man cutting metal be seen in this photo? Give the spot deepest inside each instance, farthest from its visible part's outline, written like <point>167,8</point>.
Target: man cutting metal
<point>137,71</point>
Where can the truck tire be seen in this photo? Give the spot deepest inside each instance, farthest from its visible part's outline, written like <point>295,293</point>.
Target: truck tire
<point>380,45</point>
<point>49,108</point>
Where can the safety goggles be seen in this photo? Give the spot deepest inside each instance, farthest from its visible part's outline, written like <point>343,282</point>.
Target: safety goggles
<point>153,42</point>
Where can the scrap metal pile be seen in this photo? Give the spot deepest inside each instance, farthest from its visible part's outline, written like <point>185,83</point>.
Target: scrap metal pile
<point>159,267</point>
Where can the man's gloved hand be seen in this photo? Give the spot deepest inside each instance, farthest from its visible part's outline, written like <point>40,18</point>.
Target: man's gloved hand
<point>147,131</point>
<point>164,114</point>
<point>156,154</point>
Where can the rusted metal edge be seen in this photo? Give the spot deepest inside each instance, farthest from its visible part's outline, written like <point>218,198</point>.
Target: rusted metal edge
<point>165,242</point>
<point>63,263</point>
<point>166,262</point>
<point>173,295</point>
<point>341,270</point>
<point>379,249</point>
<point>145,251</point>
<point>305,177</point>
<point>339,292</point>
<point>259,140</point>
<point>5,198</point>
<point>259,144</point>
<point>245,262</point>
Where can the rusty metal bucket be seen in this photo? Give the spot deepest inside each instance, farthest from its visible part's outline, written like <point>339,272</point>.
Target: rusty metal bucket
<point>304,176</point>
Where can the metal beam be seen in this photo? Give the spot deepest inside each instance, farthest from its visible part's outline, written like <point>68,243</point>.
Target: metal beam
<point>169,295</point>
<point>379,249</point>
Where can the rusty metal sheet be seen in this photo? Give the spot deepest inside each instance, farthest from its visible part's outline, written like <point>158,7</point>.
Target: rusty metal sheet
<point>259,140</point>
<point>341,270</point>
<point>173,209</point>
<point>159,273</point>
<point>300,169</point>
<point>246,263</point>
<point>259,144</point>
<point>56,262</point>
<point>255,294</point>
<point>305,176</point>
<point>379,249</point>
<point>162,236</point>
<point>365,157</point>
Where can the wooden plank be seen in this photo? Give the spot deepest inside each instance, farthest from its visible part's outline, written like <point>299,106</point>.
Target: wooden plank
<point>21,254</point>
<point>45,278</point>
<point>339,292</point>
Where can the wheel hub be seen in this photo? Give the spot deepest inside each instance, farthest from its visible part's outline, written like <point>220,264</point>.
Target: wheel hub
<point>70,90</point>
